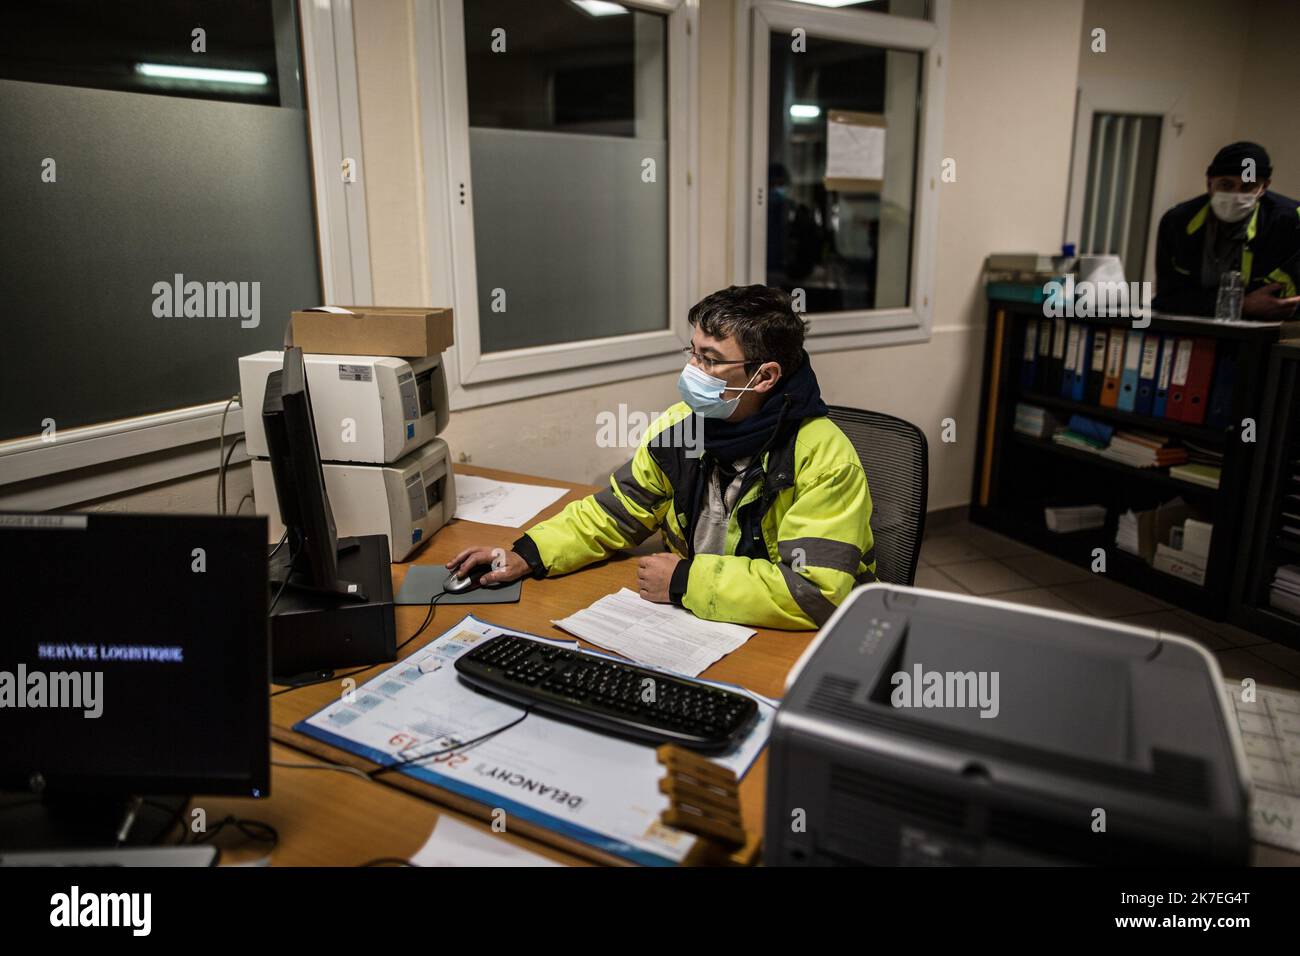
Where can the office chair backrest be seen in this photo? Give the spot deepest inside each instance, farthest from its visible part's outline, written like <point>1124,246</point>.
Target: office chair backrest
<point>895,457</point>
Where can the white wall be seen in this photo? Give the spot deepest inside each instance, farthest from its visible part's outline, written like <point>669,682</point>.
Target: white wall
<point>1268,101</point>
<point>1179,57</point>
<point>1008,118</point>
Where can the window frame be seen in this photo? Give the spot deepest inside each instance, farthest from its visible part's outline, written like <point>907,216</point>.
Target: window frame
<point>755,21</point>
<point>1106,96</point>
<point>113,457</point>
<point>477,378</point>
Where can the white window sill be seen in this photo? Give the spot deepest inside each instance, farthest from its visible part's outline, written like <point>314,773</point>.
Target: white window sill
<point>84,464</point>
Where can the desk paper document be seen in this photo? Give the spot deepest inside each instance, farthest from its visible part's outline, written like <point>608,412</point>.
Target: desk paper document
<point>453,843</point>
<point>657,635</point>
<point>590,787</point>
<point>502,502</point>
<point>1270,734</point>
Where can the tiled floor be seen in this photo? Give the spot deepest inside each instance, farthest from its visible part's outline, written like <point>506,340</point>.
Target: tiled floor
<point>967,559</point>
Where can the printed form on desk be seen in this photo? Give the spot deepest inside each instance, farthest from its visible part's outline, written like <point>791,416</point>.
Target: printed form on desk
<point>1270,735</point>
<point>658,635</point>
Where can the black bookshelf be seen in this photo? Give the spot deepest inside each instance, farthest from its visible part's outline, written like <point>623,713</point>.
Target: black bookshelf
<point>1017,476</point>
<point>1265,547</point>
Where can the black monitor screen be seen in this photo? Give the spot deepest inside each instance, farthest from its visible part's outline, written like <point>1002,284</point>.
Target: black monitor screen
<point>134,655</point>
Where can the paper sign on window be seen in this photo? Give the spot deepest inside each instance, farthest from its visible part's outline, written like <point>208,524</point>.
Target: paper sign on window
<point>855,151</point>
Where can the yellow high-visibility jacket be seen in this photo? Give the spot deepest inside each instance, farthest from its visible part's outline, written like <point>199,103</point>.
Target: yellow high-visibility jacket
<point>798,539</point>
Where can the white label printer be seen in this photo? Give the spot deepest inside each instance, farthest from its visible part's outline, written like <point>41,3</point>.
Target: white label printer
<point>377,419</point>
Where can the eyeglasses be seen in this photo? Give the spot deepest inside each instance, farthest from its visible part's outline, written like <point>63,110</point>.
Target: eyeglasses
<point>709,364</point>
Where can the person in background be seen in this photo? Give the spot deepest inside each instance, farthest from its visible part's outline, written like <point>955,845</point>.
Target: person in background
<point>1239,225</point>
<point>769,526</point>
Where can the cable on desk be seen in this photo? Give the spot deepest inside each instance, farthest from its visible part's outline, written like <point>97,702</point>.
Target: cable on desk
<point>446,750</point>
<point>225,467</point>
<point>339,767</point>
<point>221,447</point>
<point>175,817</point>
<point>255,830</point>
<point>288,573</point>
<point>283,538</point>
<point>427,618</point>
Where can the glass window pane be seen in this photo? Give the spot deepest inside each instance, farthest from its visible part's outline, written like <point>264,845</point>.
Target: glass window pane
<point>848,245</point>
<point>569,158</point>
<point>204,193</point>
<point>245,51</point>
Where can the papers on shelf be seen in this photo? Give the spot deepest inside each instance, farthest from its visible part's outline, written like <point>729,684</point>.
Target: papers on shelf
<point>1284,592</point>
<point>502,502</point>
<point>1065,520</point>
<point>657,635</point>
<point>453,843</point>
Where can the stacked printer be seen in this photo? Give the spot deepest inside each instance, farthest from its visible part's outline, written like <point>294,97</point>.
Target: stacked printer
<point>377,421</point>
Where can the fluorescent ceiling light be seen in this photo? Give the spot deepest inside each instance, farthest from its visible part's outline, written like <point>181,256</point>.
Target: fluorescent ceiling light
<point>805,111</point>
<point>599,8</point>
<point>827,3</point>
<point>201,74</point>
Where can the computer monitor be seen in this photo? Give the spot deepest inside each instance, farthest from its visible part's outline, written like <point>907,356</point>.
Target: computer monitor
<point>134,655</point>
<point>309,559</point>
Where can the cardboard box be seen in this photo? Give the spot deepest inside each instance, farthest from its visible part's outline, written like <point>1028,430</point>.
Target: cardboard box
<point>404,332</point>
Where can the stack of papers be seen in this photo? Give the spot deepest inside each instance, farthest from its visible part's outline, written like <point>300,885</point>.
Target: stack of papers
<point>657,635</point>
<point>1206,475</point>
<point>1270,735</point>
<point>1284,593</point>
<point>1144,450</point>
<point>1062,520</point>
<point>1127,537</point>
<point>1072,439</point>
<point>1034,421</point>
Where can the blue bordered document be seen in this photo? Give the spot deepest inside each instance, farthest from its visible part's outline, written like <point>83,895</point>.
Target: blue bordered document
<point>600,790</point>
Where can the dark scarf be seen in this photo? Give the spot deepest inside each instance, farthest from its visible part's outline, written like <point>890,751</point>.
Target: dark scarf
<point>795,398</point>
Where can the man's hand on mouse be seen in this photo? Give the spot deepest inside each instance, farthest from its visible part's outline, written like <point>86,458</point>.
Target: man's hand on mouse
<point>506,565</point>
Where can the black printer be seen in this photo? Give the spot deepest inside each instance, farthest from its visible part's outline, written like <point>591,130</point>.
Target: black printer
<point>927,728</point>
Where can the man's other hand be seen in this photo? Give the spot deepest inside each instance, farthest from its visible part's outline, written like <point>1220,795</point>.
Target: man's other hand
<point>654,574</point>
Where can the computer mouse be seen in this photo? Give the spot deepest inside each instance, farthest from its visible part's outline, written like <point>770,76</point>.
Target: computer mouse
<point>458,585</point>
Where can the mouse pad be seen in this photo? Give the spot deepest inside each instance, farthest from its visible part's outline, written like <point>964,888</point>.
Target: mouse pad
<point>423,581</point>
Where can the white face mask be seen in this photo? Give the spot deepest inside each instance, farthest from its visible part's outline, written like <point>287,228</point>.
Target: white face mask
<point>1232,207</point>
<point>703,392</point>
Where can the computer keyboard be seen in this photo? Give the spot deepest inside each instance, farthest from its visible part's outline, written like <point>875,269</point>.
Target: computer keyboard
<point>620,699</point>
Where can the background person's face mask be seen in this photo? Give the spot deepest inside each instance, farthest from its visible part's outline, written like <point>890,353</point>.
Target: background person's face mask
<point>703,392</point>
<point>1232,207</point>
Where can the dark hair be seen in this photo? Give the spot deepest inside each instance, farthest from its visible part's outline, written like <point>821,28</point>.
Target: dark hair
<point>761,321</point>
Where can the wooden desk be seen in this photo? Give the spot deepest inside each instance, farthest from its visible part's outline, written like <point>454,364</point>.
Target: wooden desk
<point>368,822</point>
<point>760,665</point>
<point>331,818</point>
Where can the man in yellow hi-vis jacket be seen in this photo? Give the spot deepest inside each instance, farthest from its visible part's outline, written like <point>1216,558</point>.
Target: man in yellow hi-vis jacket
<point>760,497</point>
